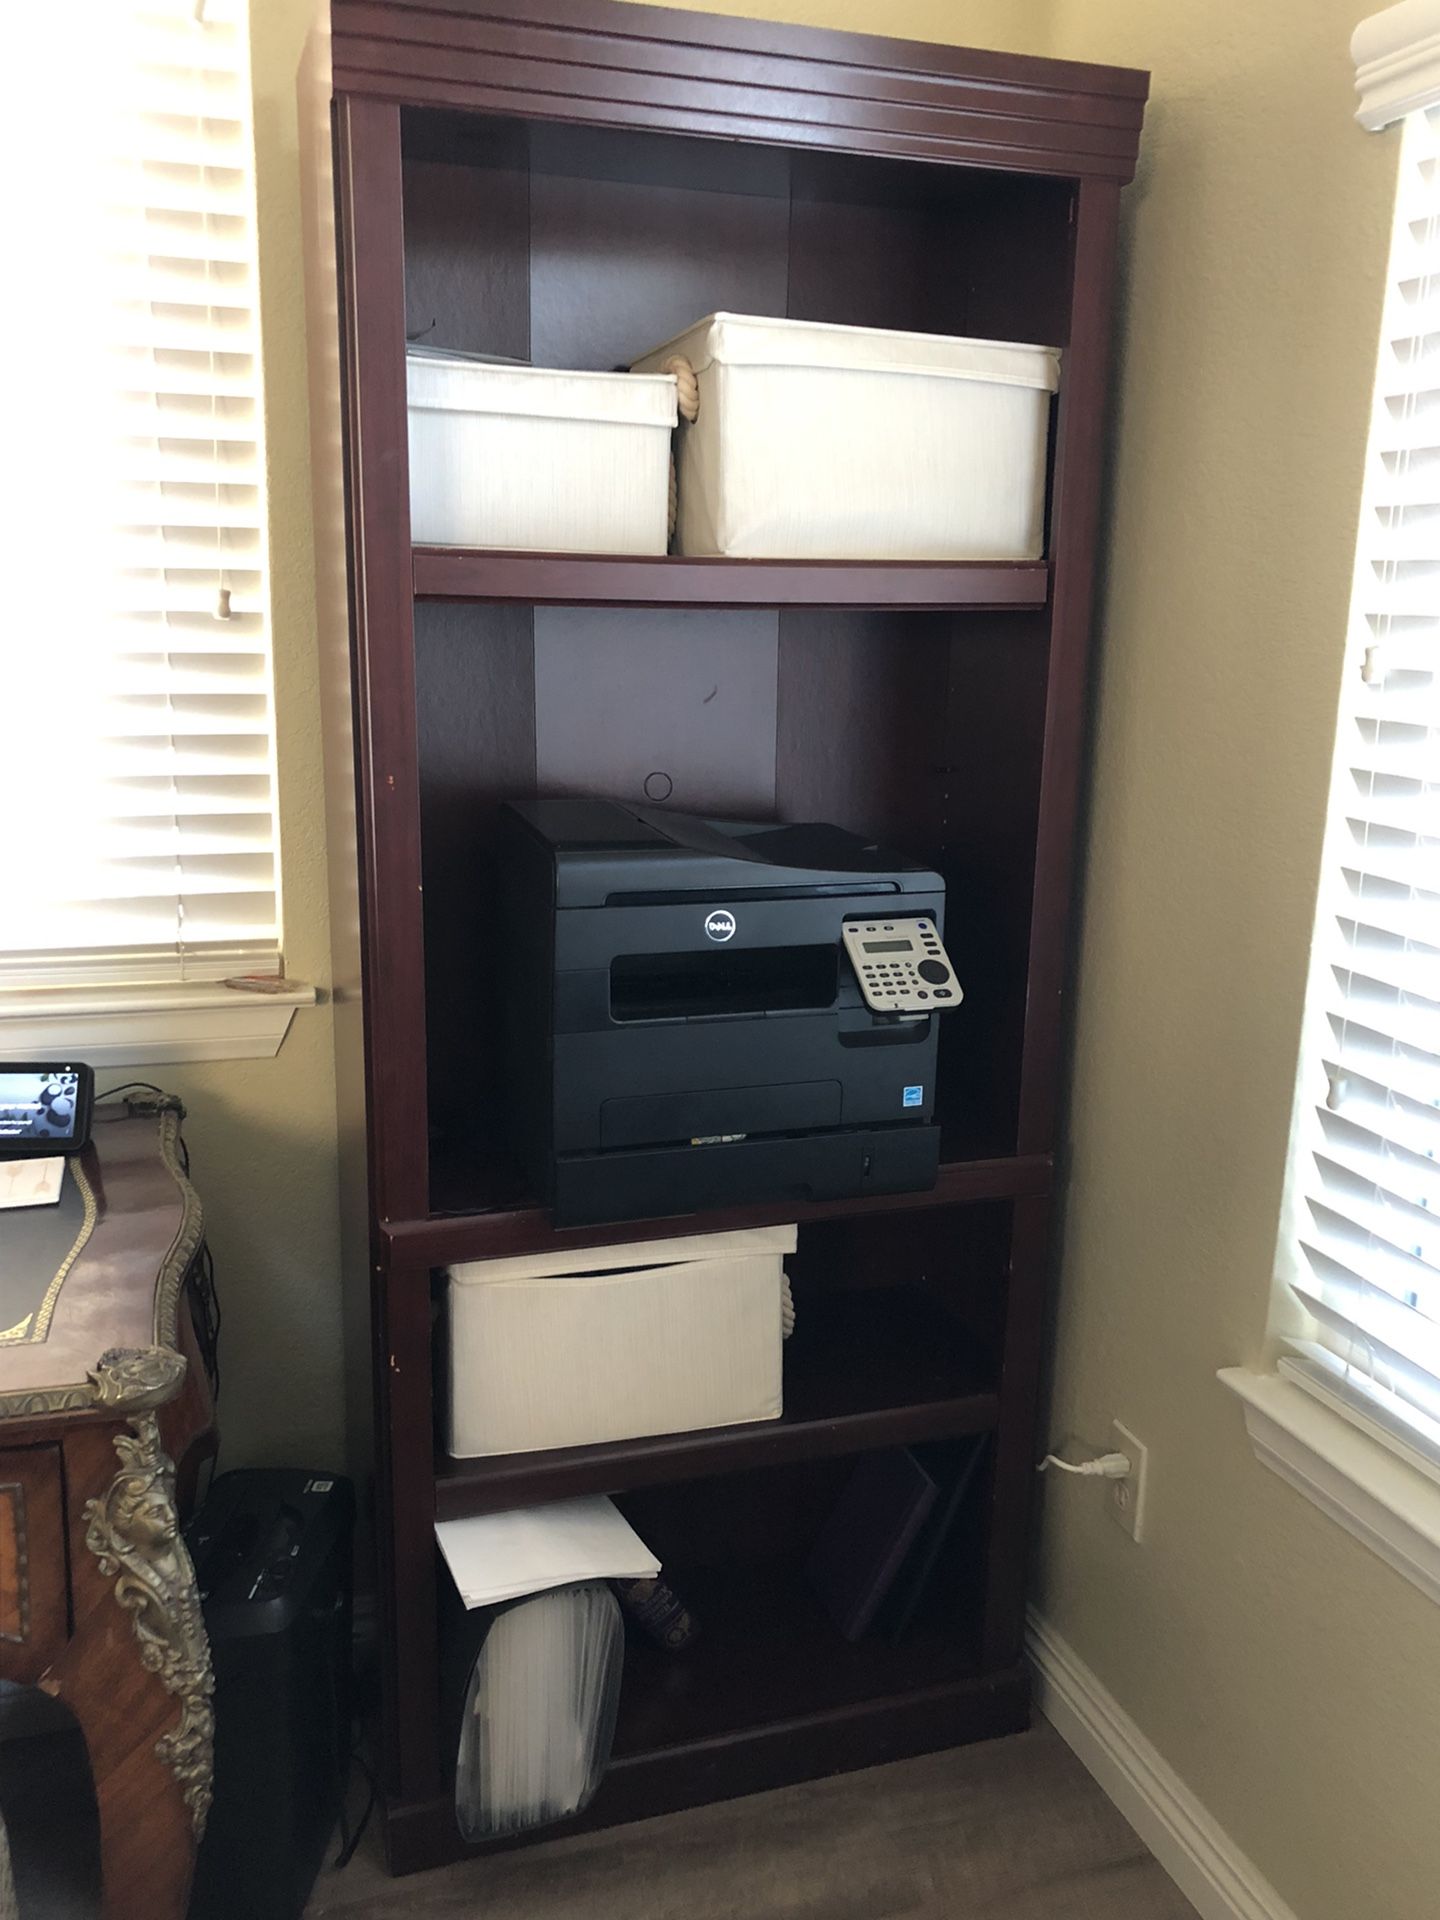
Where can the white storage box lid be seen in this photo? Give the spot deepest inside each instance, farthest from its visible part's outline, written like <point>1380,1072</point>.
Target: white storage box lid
<point>750,340</point>
<point>745,1241</point>
<point>469,383</point>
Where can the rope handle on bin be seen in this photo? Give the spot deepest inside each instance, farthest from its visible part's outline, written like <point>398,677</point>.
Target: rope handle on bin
<point>687,386</point>
<point>687,399</point>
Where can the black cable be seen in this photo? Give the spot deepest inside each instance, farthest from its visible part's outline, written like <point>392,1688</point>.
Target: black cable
<point>347,1850</point>
<point>129,1086</point>
<point>206,1317</point>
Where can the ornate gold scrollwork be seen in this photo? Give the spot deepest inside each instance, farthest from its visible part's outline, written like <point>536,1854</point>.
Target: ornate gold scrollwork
<point>133,1530</point>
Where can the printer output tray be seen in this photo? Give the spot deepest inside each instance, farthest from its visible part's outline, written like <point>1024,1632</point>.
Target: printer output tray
<point>657,1182</point>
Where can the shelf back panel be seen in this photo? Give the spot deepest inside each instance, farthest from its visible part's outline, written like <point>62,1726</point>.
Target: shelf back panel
<point>920,730</point>
<point>586,248</point>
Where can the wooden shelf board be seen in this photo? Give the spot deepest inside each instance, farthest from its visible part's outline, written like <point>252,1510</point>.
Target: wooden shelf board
<point>922,1378</point>
<point>861,1731</point>
<point>674,580</point>
<point>523,1479</point>
<point>443,1238</point>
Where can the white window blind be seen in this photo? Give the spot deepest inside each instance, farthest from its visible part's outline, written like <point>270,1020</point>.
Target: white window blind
<point>136,728</point>
<point>1361,1246</point>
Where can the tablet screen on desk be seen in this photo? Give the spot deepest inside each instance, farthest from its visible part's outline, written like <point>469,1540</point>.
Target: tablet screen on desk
<point>44,1108</point>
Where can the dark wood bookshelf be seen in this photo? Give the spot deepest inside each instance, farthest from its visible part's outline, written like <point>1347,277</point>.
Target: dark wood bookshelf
<point>889,1722</point>
<point>570,181</point>
<point>527,1479</point>
<point>922,1380</point>
<point>674,580</point>
<point>753,1662</point>
<point>448,1237</point>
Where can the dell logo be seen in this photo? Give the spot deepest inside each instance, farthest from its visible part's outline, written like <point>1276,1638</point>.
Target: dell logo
<point>720,925</point>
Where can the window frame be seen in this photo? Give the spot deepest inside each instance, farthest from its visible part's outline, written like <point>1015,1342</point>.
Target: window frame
<point>118,1008</point>
<point>1361,1470</point>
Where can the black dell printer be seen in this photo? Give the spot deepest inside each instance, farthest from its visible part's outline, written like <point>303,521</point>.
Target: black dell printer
<point>708,1013</point>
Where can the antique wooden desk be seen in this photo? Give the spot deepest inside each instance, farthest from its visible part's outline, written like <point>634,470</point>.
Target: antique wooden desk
<point>101,1394</point>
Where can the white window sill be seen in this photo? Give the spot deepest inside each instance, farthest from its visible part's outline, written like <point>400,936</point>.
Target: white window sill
<point>1377,1496</point>
<point>133,1026</point>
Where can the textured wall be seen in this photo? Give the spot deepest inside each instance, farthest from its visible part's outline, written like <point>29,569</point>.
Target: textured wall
<point>1014,26</point>
<point>262,1132</point>
<point>1288,1675</point>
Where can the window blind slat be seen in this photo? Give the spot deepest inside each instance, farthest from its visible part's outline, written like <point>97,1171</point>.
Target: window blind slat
<point>1362,1245</point>
<point>160,853</point>
<point>1376,1231</point>
<point>1389,1117</point>
<point>1404,1176</point>
<point>1404,1071</point>
<point>1397,1019</point>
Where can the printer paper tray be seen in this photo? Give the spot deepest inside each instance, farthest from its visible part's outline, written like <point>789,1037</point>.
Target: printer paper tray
<point>656,1182</point>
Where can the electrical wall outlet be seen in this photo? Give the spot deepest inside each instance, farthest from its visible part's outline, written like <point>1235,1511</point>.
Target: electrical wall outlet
<point>1127,1496</point>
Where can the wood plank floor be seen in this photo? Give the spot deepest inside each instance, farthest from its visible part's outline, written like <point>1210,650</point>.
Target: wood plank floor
<point>1008,1830</point>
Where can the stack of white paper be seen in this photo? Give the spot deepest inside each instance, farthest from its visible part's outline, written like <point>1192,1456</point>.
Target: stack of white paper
<point>540,1708</point>
<point>495,1556</point>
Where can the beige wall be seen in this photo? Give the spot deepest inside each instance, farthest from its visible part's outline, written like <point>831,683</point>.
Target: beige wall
<point>1289,1676</point>
<point>1015,26</point>
<point>262,1132</point>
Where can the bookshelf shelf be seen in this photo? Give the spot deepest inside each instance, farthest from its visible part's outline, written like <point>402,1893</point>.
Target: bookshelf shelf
<point>766,1651</point>
<point>922,1380</point>
<point>954,1703</point>
<point>444,1238</point>
<point>672,580</point>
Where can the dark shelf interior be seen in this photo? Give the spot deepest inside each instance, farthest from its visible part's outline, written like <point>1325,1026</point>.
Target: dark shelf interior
<point>587,247</point>
<point>768,1652</point>
<point>924,730</point>
<point>866,1366</point>
<point>905,702</point>
<point>734,1549</point>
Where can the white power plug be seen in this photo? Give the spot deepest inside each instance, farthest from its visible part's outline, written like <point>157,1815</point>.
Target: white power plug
<point>1106,1466</point>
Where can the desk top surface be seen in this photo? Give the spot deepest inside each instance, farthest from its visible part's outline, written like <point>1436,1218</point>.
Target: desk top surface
<point>100,1269</point>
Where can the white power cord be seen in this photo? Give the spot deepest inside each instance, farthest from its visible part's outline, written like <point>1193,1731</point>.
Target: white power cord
<point>1107,1466</point>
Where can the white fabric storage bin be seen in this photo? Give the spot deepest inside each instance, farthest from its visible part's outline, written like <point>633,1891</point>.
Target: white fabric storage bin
<point>521,457</point>
<point>816,442</point>
<point>609,1343</point>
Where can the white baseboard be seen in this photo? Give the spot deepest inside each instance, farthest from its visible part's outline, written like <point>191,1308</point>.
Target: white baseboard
<point>1209,1869</point>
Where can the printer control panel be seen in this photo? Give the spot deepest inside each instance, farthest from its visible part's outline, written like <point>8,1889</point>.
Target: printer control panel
<point>901,965</point>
